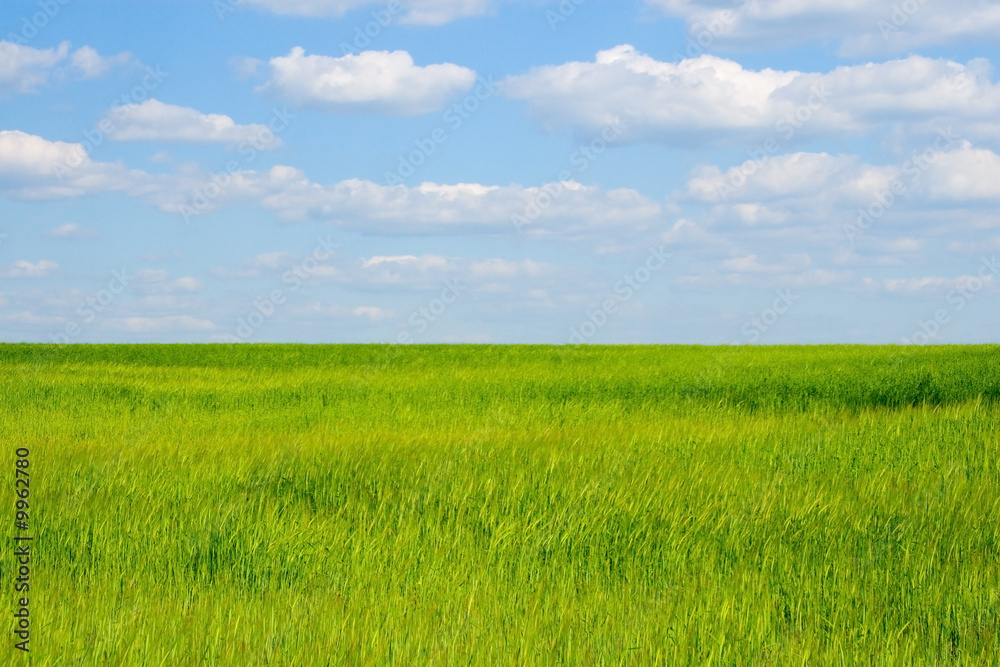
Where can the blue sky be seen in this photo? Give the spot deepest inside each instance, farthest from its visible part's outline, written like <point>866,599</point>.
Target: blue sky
<point>505,171</point>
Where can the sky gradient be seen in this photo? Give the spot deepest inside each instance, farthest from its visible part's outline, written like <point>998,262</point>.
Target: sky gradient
<point>491,171</point>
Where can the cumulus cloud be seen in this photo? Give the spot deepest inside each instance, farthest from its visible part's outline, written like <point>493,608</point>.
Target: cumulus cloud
<point>398,271</point>
<point>934,284</point>
<point>34,168</point>
<point>25,269</point>
<point>307,7</point>
<point>502,268</point>
<point>417,272</point>
<point>71,230</point>
<point>863,27</point>
<point>790,176</point>
<point>714,276</point>
<point>370,82</point>
<point>161,324</point>
<point>245,67</point>
<point>712,99</point>
<point>753,264</point>
<point>89,64</point>
<point>30,318</point>
<point>439,12</point>
<point>961,174</point>
<point>154,120</point>
<point>811,195</point>
<point>966,174</point>
<point>157,281</point>
<point>418,12</point>
<point>372,313</point>
<point>441,208</point>
<point>840,209</point>
<point>800,220</point>
<point>273,260</point>
<point>24,69</point>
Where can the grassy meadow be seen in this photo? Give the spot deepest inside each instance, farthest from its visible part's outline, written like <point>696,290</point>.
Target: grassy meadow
<point>481,505</point>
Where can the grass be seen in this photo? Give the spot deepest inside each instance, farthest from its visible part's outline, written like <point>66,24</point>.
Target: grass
<point>300,505</point>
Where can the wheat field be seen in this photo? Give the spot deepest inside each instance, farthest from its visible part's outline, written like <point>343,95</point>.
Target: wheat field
<point>523,505</point>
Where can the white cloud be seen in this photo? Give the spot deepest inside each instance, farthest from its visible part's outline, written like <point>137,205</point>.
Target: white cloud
<point>411,272</point>
<point>151,275</point>
<point>811,278</point>
<point>795,219</point>
<point>713,100</point>
<point>430,271</point>
<point>964,175</point>
<point>816,181</point>
<point>89,64</point>
<point>419,12</point>
<point>502,268</point>
<point>37,169</point>
<point>28,317</point>
<point>934,284</point>
<point>369,313</point>
<point>24,69</point>
<point>401,270</point>
<point>788,177</point>
<point>29,155</point>
<point>34,168</point>
<point>800,217</point>
<point>437,208</point>
<point>862,26</point>
<point>184,284</point>
<point>71,230</point>
<point>273,260</point>
<point>157,281</point>
<point>244,67</point>
<point>155,121</point>
<point>752,264</point>
<point>161,324</point>
<point>308,7</point>
<point>439,12</point>
<point>421,263</point>
<point>370,82</point>
<point>25,269</point>
<point>373,313</point>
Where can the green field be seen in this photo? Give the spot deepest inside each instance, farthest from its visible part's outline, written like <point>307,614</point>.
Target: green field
<point>300,505</point>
